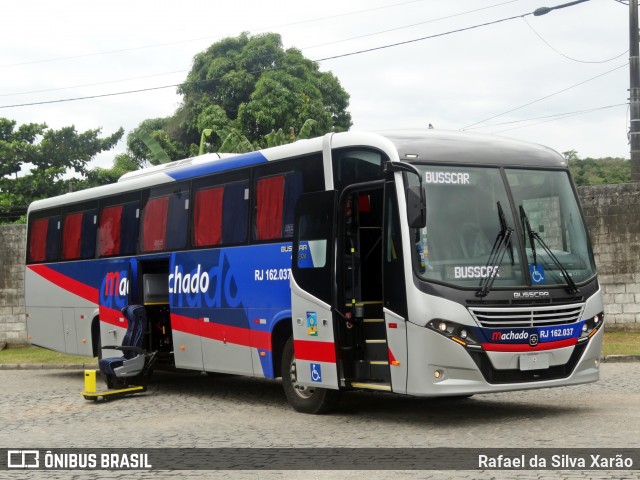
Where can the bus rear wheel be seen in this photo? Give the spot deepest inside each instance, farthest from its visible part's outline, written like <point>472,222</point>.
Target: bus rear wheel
<point>302,398</point>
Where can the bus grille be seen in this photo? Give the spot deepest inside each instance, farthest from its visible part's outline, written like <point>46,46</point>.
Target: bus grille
<point>528,317</point>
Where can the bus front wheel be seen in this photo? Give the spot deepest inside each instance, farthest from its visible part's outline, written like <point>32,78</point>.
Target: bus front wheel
<point>303,398</point>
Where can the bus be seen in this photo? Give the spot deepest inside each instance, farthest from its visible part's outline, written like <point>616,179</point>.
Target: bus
<point>426,263</point>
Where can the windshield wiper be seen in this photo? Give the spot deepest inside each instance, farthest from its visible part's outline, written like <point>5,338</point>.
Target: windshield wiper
<point>533,236</point>
<point>502,242</point>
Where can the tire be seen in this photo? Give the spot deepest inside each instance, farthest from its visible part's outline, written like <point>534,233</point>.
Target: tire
<point>304,399</point>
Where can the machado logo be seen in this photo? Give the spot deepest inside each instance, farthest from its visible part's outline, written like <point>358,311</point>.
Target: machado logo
<point>114,289</point>
<point>201,285</point>
<point>510,336</point>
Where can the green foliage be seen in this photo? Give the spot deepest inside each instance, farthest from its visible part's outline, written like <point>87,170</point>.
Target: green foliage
<point>123,163</point>
<point>598,171</point>
<point>156,149</point>
<point>233,141</point>
<point>248,86</point>
<point>275,139</point>
<point>157,130</point>
<point>50,155</point>
<point>279,138</point>
<point>307,128</point>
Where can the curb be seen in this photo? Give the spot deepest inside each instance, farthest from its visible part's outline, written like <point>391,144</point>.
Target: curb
<point>48,366</point>
<point>620,359</point>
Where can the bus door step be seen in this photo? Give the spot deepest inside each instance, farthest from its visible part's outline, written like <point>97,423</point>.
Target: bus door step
<point>379,386</point>
<point>372,370</point>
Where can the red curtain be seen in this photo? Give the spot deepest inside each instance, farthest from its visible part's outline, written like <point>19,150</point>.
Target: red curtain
<point>154,225</point>
<point>269,201</point>
<point>110,220</point>
<point>38,240</point>
<point>207,217</point>
<point>71,234</point>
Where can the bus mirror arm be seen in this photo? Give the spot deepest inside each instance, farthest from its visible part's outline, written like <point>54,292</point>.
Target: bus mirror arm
<point>416,202</point>
<point>416,207</point>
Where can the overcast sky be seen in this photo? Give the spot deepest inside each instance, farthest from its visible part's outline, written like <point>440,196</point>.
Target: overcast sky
<point>68,49</point>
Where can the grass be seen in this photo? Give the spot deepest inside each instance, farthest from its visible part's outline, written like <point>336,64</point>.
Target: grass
<point>615,343</point>
<point>621,343</point>
<point>29,354</point>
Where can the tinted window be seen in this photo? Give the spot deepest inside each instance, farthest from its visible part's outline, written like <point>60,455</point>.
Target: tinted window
<point>44,239</point>
<point>79,235</point>
<point>165,220</point>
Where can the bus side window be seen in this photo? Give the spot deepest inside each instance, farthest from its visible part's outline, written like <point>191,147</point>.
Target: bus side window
<point>44,239</point>
<point>118,229</point>
<point>220,214</point>
<point>293,188</point>
<point>235,212</point>
<point>79,235</point>
<point>207,217</point>
<point>276,197</point>
<point>154,224</point>
<point>269,202</point>
<point>110,220</point>
<point>355,166</point>
<point>164,222</point>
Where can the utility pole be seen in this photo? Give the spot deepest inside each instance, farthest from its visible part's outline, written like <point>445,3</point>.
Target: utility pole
<point>634,90</point>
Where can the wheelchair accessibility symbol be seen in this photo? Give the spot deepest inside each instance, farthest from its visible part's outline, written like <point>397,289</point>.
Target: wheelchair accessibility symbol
<point>316,372</point>
<point>537,274</point>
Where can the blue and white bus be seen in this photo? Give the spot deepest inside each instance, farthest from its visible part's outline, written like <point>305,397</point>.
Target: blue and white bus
<point>424,263</point>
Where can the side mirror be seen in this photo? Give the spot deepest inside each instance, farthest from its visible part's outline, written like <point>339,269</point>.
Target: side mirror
<point>416,202</point>
<point>416,207</point>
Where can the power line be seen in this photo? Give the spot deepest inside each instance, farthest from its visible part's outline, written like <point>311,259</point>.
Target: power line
<point>553,117</point>
<point>545,97</point>
<point>358,52</point>
<point>317,60</point>
<point>567,56</point>
<point>92,84</point>
<point>166,44</point>
<point>433,20</point>
<point>382,47</point>
<point>562,117</point>
<point>62,100</point>
<point>303,48</point>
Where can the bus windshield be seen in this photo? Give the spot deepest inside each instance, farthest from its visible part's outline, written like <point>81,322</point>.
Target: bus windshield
<point>474,230</point>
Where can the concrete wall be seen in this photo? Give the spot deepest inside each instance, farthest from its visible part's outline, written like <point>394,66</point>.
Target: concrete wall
<point>12,313</point>
<point>613,219</point>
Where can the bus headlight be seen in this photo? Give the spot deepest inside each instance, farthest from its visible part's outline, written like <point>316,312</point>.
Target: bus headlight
<point>591,326</point>
<point>461,334</point>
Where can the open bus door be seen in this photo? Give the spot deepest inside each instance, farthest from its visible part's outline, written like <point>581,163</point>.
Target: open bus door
<point>312,374</point>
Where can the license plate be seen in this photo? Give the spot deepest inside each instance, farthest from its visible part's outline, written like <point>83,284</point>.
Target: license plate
<point>536,361</point>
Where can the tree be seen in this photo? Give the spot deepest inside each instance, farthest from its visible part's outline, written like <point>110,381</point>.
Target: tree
<point>122,163</point>
<point>598,171</point>
<point>247,86</point>
<point>154,128</point>
<point>36,160</point>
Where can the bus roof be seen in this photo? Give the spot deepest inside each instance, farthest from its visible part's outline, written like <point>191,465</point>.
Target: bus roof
<point>443,146</point>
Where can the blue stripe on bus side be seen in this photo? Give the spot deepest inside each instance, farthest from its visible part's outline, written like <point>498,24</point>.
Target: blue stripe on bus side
<point>215,166</point>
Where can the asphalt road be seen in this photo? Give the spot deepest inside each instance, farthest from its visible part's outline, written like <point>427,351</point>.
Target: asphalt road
<point>44,409</point>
